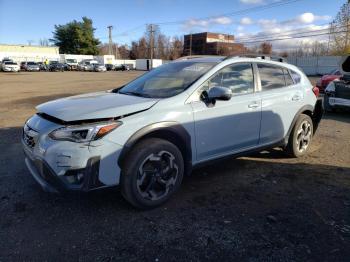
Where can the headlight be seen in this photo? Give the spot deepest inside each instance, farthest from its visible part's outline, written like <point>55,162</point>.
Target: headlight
<point>84,133</point>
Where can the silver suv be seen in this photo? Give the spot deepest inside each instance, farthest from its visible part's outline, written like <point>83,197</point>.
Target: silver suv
<point>147,134</point>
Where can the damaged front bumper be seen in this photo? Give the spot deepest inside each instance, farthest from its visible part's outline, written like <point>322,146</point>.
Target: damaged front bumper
<point>68,166</point>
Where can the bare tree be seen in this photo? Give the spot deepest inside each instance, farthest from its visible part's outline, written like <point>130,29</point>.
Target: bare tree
<point>266,48</point>
<point>124,52</point>
<point>176,48</point>
<point>340,31</point>
<point>44,42</point>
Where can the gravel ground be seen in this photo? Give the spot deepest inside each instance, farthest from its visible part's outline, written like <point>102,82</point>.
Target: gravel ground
<point>265,207</point>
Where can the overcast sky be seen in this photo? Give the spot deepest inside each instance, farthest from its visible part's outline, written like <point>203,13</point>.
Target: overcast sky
<point>21,21</point>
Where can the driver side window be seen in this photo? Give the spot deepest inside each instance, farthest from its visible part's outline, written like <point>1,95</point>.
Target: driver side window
<point>237,77</point>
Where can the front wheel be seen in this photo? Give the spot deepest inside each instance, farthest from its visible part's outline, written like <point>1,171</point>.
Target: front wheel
<point>151,173</point>
<point>300,137</point>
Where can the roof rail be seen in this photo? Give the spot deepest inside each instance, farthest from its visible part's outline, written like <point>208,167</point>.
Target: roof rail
<point>261,56</point>
<point>197,56</point>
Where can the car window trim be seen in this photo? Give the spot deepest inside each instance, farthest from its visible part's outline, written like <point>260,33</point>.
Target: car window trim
<point>278,66</point>
<point>237,62</point>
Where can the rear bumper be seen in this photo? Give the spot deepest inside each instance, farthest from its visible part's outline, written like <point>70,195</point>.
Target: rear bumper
<point>340,102</point>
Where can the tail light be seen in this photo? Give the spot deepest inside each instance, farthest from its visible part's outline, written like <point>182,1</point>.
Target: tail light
<point>316,91</point>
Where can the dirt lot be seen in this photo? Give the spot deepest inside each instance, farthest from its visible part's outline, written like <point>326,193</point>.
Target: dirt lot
<point>265,207</point>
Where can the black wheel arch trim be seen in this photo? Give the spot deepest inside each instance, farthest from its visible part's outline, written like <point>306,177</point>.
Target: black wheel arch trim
<point>173,132</point>
<point>316,115</point>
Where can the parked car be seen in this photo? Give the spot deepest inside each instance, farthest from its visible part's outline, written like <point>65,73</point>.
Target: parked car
<point>42,66</point>
<point>110,67</point>
<point>23,66</point>
<point>72,64</point>
<point>337,93</point>
<point>148,134</point>
<point>323,82</point>
<point>121,67</point>
<point>32,66</point>
<point>99,68</point>
<point>87,65</point>
<point>9,66</point>
<point>56,66</point>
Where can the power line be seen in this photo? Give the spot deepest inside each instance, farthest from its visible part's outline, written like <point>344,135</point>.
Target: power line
<point>286,34</point>
<point>239,12</point>
<point>289,37</point>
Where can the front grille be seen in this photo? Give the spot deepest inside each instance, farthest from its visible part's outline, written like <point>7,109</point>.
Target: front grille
<point>29,136</point>
<point>28,140</point>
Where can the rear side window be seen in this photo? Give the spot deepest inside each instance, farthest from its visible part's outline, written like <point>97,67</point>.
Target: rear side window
<point>271,77</point>
<point>296,77</point>
<point>288,78</point>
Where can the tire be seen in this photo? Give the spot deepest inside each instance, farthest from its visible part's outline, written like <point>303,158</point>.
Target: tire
<point>149,189</point>
<point>300,137</point>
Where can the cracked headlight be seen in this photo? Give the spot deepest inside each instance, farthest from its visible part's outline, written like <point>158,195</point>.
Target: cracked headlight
<point>84,133</point>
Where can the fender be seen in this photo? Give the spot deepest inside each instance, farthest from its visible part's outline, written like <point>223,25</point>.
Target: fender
<point>171,131</point>
<point>300,111</point>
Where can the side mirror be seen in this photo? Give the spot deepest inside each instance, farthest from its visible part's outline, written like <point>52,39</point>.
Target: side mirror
<point>217,93</point>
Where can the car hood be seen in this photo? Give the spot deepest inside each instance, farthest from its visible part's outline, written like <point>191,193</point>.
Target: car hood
<point>95,106</point>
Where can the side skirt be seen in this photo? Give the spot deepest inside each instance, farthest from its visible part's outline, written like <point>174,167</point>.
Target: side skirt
<point>239,154</point>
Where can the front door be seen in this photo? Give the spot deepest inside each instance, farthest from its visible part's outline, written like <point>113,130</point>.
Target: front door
<point>228,126</point>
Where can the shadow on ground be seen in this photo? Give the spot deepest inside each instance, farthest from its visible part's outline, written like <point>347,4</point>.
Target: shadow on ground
<point>243,209</point>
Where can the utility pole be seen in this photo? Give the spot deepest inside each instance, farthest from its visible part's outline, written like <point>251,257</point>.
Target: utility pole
<point>110,44</point>
<point>151,44</point>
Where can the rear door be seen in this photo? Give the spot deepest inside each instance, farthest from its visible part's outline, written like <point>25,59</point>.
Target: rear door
<point>281,100</point>
<point>228,126</point>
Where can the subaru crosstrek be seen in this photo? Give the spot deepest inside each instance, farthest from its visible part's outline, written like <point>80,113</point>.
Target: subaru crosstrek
<point>147,134</point>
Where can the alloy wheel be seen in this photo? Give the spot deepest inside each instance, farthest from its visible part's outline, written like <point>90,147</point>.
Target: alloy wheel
<point>157,175</point>
<point>304,135</point>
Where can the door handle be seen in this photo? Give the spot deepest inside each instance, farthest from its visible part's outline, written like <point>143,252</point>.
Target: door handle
<point>253,105</point>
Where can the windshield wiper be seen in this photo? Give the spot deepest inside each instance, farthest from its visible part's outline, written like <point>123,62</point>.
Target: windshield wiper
<point>134,94</point>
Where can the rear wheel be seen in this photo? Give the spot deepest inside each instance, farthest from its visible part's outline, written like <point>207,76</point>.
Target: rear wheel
<point>300,137</point>
<point>152,173</point>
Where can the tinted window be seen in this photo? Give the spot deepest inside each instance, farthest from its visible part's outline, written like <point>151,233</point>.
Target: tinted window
<point>288,78</point>
<point>238,77</point>
<point>296,77</point>
<point>271,77</point>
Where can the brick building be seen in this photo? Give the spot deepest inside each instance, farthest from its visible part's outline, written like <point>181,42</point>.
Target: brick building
<point>211,44</point>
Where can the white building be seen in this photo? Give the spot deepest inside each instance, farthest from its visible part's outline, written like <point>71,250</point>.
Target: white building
<point>19,53</point>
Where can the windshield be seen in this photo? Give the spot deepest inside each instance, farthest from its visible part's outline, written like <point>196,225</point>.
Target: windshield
<point>10,63</point>
<point>31,63</point>
<point>167,80</point>
<point>71,60</point>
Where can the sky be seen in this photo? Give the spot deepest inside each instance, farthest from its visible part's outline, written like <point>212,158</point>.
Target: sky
<point>23,21</point>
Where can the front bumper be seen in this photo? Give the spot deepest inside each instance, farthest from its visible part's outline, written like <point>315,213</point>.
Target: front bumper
<point>63,165</point>
<point>10,69</point>
<point>46,177</point>
<point>33,69</point>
